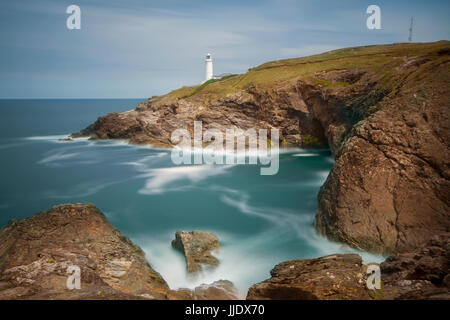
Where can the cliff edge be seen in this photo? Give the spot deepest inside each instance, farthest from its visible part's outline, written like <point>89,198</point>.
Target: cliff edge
<point>383,111</point>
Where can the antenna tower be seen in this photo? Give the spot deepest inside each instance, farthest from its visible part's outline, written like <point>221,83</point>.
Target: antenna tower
<point>410,30</point>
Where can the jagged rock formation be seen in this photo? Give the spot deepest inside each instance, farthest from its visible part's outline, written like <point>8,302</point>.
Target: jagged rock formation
<point>383,110</point>
<point>420,274</point>
<point>35,254</point>
<point>218,290</point>
<point>196,247</point>
<point>389,190</point>
<point>334,277</point>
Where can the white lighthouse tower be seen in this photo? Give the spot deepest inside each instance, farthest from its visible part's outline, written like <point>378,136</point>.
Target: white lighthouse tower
<point>209,67</point>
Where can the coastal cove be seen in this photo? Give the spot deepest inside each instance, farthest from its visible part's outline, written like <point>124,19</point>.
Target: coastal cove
<point>382,110</point>
<point>260,221</point>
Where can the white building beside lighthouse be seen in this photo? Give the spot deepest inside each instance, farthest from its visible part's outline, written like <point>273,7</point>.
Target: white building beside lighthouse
<point>208,67</point>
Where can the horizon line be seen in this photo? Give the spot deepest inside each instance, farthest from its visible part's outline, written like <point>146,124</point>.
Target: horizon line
<point>71,98</point>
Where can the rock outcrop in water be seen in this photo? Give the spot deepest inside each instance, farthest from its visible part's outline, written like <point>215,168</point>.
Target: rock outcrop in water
<point>383,110</point>
<point>332,277</point>
<point>421,274</point>
<point>389,190</point>
<point>196,247</point>
<point>35,254</point>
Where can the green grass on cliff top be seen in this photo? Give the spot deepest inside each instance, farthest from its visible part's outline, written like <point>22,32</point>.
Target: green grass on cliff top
<point>379,58</point>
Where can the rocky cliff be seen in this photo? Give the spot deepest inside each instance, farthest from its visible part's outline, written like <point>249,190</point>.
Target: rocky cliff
<point>36,255</point>
<point>423,273</point>
<point>383,111</point>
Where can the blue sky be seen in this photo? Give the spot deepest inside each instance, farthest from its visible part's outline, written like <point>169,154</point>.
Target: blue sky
<point>137,48</point>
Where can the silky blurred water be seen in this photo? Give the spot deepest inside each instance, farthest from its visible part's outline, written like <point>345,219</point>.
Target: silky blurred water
<point>260,220</point>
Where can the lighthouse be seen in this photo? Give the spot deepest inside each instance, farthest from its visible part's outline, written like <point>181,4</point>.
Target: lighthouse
<point>208,67</point>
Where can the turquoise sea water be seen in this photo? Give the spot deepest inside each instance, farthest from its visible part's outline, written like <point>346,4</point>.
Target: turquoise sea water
<point>260,220</point>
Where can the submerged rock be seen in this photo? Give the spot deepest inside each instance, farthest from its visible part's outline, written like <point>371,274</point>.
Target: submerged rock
<point>36,252</point>
<point>196,247</point>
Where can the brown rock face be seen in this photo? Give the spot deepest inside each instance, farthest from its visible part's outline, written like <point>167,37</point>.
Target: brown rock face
<point>389,190</point>
<point>36,252</point>
<point>196,247</point>
<point>421,274</point>
<point>218,290</point>
<point>332,277</point>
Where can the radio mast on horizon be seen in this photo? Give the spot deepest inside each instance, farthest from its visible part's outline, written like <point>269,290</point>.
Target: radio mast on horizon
<point>410,30</point>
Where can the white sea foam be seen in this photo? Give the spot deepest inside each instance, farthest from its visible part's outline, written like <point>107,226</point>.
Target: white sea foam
<point>247,154</point>
<point>322,176</point>
<point>242,205</point>
<point>243,261</point>
<point>108,143</point>
<point>144,164</point>
<point>162,179</point>
<point>54,158</point>
<point>300,223</point>
<point>239,263</point>
<point>305,155</point>
<point>330,160</point>
<point>47,138</point>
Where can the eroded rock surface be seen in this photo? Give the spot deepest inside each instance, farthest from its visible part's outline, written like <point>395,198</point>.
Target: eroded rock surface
<point>420,274</point>
<point>197,247</point>
<point>336,276</point>
<point>218,290</point>
<point>389,190</point>
<point>36,252</point>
